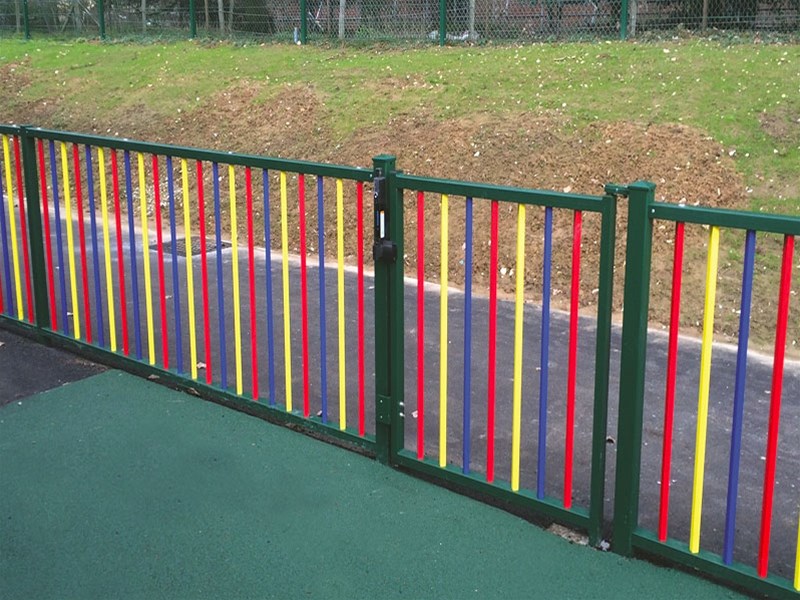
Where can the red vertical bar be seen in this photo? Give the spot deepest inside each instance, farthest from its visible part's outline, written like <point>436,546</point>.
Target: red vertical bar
<point>420,325</point>
<point>672,365</point>
<point>87,313</point>
<point>775,403</point>
<point>572,361</point>
<point>360,254</point>
<point>490,400</point>
<point>301,202</point>
<point>162,289</point>
<point>204,269</point>
<point>251,263</point>
<point>23,226</point>
<point>123,304</point>
<point>47,245</point>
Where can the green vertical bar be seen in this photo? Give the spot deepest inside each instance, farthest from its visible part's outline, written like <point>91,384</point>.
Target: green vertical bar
<point>623,20</point>
<point>389,328</point>
<point>26,21</point>
<point>101,18</point>
<point>34,215</point>
<point>602,360</point>
<point>192,20</point>
<point>442,22</point>
<point>303,22</point>
<point>632,370</point>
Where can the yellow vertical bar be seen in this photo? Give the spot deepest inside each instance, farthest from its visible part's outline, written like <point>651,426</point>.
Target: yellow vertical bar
<point>340,292</point>
<point>148,291</point>
<point>443,269</point>
<point>76,320</point>
<point>287,321</point>
<point>237,319</point>
<point>12,222</point>
<point>702,397</point>
<point>112,326</point>
<point>797,560</point>
<point>518,317</point>
<point>187,231</point>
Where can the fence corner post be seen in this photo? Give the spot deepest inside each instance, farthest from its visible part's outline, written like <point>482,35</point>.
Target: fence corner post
<point>623,19</point>
<point>34,217</point>
<point>303,22</point>
<point>26,20</point>
<point>192,20</point>
<point>636,298</point>
<point>389,328</point>
<point>442,22</point>
<point>101,19</point>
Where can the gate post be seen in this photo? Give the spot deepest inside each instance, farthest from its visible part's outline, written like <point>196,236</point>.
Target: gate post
<point>633,360</point>
<point>387,253</point>
<point>34,216</point>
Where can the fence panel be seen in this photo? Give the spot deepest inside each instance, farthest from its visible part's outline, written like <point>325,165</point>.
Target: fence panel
<point>711,441</point>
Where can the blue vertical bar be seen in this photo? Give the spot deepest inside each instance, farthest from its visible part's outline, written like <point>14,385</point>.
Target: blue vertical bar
<point>134,270</point>
<point>57,205</point>
<point>95,254</point>
<point>547,263</point>
<point>467,335</point>
<point>6,265</point>
<point>223,355</point>
<point>323,351</point>
<point>738,394</point>
<point>176,287</point>
<point>270,324</point>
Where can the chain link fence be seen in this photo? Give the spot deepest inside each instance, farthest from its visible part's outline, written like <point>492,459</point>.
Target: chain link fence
<point>433,21</point>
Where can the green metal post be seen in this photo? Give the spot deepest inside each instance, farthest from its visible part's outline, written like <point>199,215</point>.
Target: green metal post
<point>389,344</point>
<point>602,360</point>
<point>303,22</point>
<point>192,20</point>
<point>641,196</point>
<point>26,20</point>
<point>623,20</point>
<point>101,18</point>
<point>34,215</point>
<point>442,22</point>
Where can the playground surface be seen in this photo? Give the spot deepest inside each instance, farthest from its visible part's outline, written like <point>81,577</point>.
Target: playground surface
<point>115,486</point>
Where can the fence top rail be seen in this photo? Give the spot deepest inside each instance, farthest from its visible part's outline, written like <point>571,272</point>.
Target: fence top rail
<point>723,217</point>
<point>190,153</point>
<point>487,191</point>
<point>9,130</point>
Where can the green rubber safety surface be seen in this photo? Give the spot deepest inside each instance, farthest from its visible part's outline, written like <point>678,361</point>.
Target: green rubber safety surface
<point>116,487</point>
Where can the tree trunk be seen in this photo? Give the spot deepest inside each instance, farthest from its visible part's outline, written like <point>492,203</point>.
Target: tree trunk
<point>230,17</point>
<point>206,13</point>
<point>18,15</point>
<point>221,13</point>
<point>144,16</point>
<point>342,7</point>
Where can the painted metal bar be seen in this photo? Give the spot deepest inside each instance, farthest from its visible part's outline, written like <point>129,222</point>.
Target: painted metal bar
<point>797,560</point>
<point>137,324</point>
<point>301,203</point>
<point>572,359</point>
<point>112,316</point>
<point>420,325</point>
<point>287,321</point>
<point>672,366</point>
<point>237,310</point>
<point>87,310</point>
<point>268,279</point>
<point>775,404</point>
<point>323,342</point>
<point>73,281</point>
<point>703,392</point>
<point>148,280</point>
<point>176,287</point>
<point>12,225</point>
<point>62,281</point>
<point>201,218</point>
<point>492,369</point>
<point>47,239</point>
<point>187,232</point>
<point>162,285</point>
<point>361,330</point>
<point>251,268</point>
<point>444,265</point>
<point>2,230</point>
<point>6,257</point>
<point>544,365</point>
<point>738,395</point>
<point>467,409</point>
<point>123,302</point>
<point>23,230</point>
<point>340,303</point>
<point>98,295</point>
<point>723,217</point>
<point>223,341</point>
<point>519,304</point>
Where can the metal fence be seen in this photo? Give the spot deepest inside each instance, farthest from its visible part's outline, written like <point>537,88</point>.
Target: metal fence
<point>218,273</point>
<point>443,22</point>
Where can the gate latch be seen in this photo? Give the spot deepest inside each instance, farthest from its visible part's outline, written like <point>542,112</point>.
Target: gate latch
<point>383,248</point>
